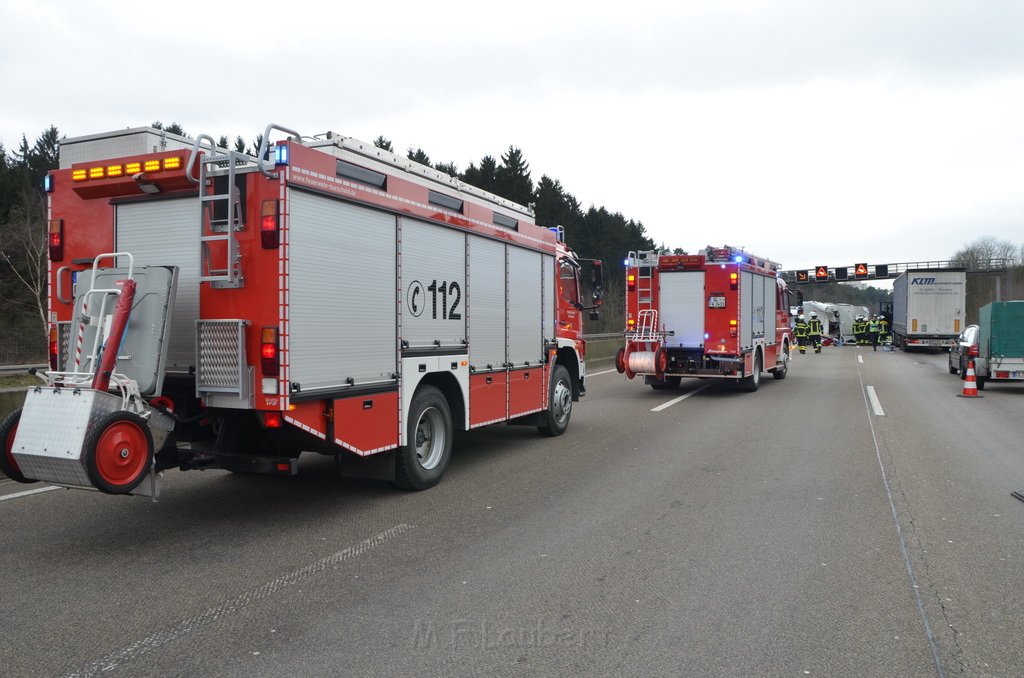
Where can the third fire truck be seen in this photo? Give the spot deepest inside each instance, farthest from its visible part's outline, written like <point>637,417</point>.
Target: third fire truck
<point>212,309</point>
<point>721,314</point>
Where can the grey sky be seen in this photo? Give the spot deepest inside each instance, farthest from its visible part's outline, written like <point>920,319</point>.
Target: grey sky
<point>810,132</point>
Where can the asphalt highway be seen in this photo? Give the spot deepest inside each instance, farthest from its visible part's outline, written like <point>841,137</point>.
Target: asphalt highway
<point>854,519</point>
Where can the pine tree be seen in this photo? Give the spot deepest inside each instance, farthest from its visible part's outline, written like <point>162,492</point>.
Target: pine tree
<point>448,168</point>
<point>482,177</point>
<point>512,179</point>
<point>419,155</point>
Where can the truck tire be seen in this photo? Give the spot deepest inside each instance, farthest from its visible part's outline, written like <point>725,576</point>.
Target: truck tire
<point>556,417</point>
<point>8,465</point>
<point>423,459</point>
<point>118,452</point>
<point>667,384</point>
<point>750,383</point>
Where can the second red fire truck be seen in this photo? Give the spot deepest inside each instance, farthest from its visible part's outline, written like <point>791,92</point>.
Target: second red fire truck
<point>719,314</point>
<point>211,309</point>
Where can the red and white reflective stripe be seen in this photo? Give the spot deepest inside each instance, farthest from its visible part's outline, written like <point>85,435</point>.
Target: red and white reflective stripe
<point>81,337</point>
<point>363,453</point>
<point>304,427</point>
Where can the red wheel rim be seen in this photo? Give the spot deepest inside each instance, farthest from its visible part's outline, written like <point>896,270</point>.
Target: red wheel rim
<point>121,453</point>
<point>662,360</point>
<point>620,360</point>
<point>9,448</point>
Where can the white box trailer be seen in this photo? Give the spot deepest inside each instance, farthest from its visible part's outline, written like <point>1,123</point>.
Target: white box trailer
<point>928,308</point>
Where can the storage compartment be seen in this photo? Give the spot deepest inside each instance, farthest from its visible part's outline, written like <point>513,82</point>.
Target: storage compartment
<point>487,398</point>
<point>525,391</point>
<point>367,424</point>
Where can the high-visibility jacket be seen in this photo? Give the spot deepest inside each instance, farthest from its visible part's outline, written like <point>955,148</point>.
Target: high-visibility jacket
<point>883,326</point>
<point>814,326</point>
<point>873,327</point>
<point>800,329</point>
<point>860,327</point>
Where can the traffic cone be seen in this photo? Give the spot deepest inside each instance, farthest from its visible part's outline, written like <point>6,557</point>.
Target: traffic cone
<point>970,386</point>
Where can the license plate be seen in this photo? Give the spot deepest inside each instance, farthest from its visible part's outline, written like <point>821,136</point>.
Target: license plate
<point>716,302</point>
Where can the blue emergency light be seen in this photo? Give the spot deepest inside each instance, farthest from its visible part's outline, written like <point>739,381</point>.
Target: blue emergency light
<point>281,154</point>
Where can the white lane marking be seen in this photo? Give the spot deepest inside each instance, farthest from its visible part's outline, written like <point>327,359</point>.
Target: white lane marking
<point>18,495</point>
<point>119,658</point>
<point>597,374</point>
<point>875,404</point>
<point>860,359</point>
<point>681,398</point>
<point>911,575</point>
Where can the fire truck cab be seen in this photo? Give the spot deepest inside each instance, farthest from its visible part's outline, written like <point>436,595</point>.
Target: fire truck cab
<point>719,314</point>
<point>212,309</point>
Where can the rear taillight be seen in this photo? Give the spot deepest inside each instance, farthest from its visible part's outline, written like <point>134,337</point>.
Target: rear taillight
<point>55,239</point>
<point>732,328</point>
<point>973,351</point>
<point>270,225</point>
<point>630,282</point>
<point>52,350</point>
<point>734,281</point>
<point>268,352</point>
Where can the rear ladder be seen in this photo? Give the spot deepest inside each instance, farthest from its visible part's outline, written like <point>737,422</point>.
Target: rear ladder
<point>220,260</point>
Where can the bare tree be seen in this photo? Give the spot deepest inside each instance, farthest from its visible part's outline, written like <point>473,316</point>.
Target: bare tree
<point>980,253</point>
<point>23,248</point>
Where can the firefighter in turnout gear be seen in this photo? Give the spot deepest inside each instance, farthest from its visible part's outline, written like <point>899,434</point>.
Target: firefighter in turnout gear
<point>860,330</point>
<point>883,330</point>
<point>800,332</point>
<point>814,332</point>
<point>874,327</point>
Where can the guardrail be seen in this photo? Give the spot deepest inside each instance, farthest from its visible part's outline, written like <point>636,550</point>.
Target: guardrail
<point>6,370</point>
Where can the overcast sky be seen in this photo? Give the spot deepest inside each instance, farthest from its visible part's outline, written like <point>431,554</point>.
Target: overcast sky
<point>810,133</point>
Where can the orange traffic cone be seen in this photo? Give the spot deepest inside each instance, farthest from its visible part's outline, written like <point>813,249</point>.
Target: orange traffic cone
<point>970,385</point>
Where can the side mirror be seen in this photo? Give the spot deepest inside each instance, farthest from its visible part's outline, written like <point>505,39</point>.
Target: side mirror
<point>597,282</point>
<point>597,272</point>
<point>594,315</point>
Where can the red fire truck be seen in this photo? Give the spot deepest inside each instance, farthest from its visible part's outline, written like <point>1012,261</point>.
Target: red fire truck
<point>720,314</point>
<point>210,309</point>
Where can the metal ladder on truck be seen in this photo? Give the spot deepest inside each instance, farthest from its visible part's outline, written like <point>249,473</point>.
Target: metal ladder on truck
<point>220,260</point>
<point>220,214</point>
